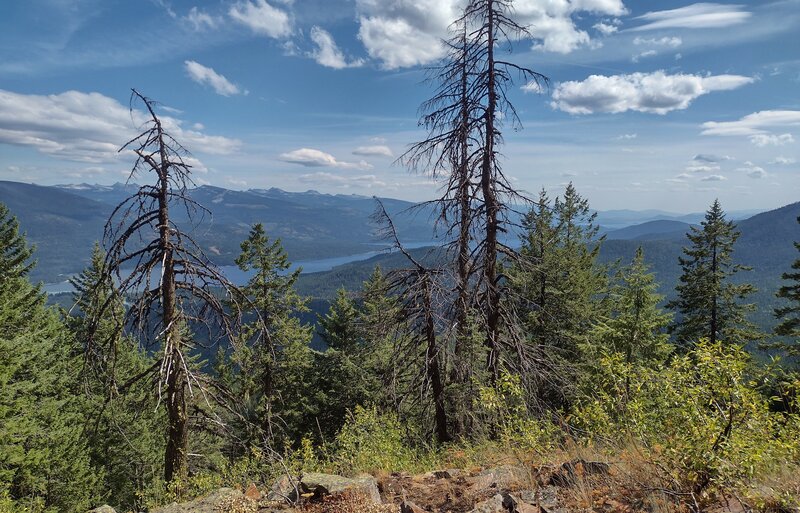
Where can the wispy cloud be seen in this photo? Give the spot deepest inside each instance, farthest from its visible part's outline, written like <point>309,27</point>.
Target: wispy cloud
<point>694,16</point>
<point>328,53</point>
<point>262,18</point>
<point>310,157</point>
<point>757,127</point>
<point>87,127</point>
<point>204,75</point>
<point>379,150</point>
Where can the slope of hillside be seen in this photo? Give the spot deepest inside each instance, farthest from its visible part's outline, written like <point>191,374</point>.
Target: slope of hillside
<point>651,230</point>
<point>64,221</point>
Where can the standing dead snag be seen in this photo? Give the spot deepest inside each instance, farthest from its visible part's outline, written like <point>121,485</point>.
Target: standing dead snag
<point>166,273</point>
<point>463,120</point>
<point>420,296</point>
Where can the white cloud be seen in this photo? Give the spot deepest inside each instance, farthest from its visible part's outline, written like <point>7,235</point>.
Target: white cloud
<point>672,42</point>
<point>409,32</point>
<point>200,20</point>
<point>695,16</point>
<point>87,127</point>
<point>702,168</point>
<point>713,178</point>
<point>753,124</point>
<point>262,18</point>
<point>627,136</point>
<point>532,87</point>
<point>373,151</point>
<point>605,28</point>
<point>752,170</point>
<point>310,157</point>
<point>762,140</point>
<point>328,53</point>
<point>204,75</point>
<point>655,92</point>
<point>646,53</point>
<point>783,161</point>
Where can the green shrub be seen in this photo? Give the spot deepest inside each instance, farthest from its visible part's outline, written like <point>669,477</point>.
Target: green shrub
<point>701,419</point>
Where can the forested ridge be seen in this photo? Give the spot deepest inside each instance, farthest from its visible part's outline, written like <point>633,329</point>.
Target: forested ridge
<point>561,370</point>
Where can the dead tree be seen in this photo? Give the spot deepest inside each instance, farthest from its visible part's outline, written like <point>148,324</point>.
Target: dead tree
<point>463,121</point>
<point>420,293</point>
<point>172,283</point>
<point>490,26</point>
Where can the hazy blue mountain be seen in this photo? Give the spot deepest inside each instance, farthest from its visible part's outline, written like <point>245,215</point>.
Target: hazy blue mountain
<point>651,230</point>
<point>65,220</point>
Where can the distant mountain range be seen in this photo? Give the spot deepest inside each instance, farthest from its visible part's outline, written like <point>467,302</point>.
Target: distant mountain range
<point>64,221</point>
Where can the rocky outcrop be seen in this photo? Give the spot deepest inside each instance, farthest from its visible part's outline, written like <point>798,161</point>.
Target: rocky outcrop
<point>327,484</point>
<point>224,500</point>
<point>105,508</point>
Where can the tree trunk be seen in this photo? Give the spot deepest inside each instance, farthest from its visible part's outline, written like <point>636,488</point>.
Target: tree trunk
<point>175,461</point>
<point>434,372</point>
<point>492,210</point>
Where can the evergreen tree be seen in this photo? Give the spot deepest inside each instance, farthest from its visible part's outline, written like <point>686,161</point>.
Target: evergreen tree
<point>267,346</point>
<point>709,302</point>
<point>340,325</point>
<point>341,377</point>
<point>123,423</point>
<point>789,315</point>
<point>637,326</point>
<point>557,280</point>
<point>274,300</point>
<point>44,459</point>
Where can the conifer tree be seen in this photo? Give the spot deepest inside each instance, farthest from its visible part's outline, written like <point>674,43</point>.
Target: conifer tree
<point>557,281</point>
<point>709,301</point>
<point>789,315</point>
<point>44,460</point>
<point>637,326</point>
<point>271,294</point>
<point>122,420</point>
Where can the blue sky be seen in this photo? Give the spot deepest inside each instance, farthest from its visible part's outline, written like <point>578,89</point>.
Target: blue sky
<point>652,104</point>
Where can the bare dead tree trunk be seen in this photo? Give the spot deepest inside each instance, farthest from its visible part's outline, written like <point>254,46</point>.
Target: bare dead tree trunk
<point>432,364</point>
<point>142,234</point>
<point>418,289</point>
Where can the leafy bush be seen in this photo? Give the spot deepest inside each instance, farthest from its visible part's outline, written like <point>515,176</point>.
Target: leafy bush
<point>701,419</point>
<point>371,441</point>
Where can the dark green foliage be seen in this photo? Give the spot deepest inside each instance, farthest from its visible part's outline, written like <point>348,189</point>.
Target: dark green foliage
<point>709,302</point>
<point>44,459</point>
<point>123,423</point>
<point>269,364</point>
<point>789,314</point>
<point>559,288</point>
<point>637,326</point>
<point>558,280</point>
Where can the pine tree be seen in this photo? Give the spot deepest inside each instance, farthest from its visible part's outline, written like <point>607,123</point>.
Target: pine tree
<point>340,324</point>
<point>559,289</point>
<point>44,460</point>
<point>123,422</point>
<point>709,302</point>
<point>271,294</point>
<point>341,376</point>
<point>637,326</point>
<point>789,315</point>
<point>557,280</point>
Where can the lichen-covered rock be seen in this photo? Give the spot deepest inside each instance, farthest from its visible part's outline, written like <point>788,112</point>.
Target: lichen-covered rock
<point>224,500</point>
<point>105,508</point>
<point>506,477</point>
<point>324,484</point>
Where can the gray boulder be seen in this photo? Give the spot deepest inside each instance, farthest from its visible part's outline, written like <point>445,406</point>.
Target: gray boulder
<point>323,484</point>
<point>105,508</point>
<point>219,501</point>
